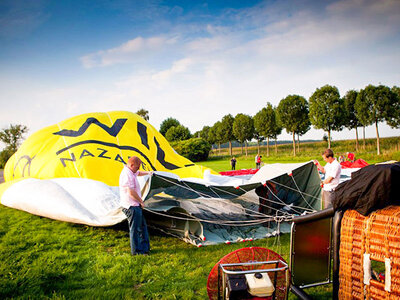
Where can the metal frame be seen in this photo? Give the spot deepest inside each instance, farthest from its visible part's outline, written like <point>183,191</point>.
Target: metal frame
<point>222,268</point>
<point>333,253</point>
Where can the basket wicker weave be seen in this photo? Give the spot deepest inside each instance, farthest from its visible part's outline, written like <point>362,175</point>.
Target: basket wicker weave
<point>378,235</point>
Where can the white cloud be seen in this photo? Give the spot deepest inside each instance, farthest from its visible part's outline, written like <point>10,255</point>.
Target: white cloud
<point>265,54</point>
<point>130,51</point>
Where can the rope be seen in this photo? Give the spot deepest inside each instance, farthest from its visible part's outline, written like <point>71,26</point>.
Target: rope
<point>208,196</point>
<point>301,192</point>
<point>265,217</point>
<point>218,222</point>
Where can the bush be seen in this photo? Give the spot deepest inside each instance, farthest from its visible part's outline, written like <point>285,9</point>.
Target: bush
<point>4,157</point>
<point>195,149</point>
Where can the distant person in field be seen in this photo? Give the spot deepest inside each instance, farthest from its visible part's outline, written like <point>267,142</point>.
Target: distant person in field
<point>257,160</point>
<point>332,171</point>
<point>233,163</point>
<point>132,203</point>
<point>351,157</point>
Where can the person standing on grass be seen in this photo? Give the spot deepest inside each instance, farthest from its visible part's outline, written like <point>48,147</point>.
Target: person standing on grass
<point>332,171</point>
<point>132,203</point>
<point>233,163</point>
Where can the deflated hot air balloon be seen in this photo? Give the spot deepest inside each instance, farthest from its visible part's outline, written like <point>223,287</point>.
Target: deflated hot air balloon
<point>70,172</point>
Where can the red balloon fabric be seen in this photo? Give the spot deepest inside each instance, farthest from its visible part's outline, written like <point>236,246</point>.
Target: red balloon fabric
<point>359,163</point>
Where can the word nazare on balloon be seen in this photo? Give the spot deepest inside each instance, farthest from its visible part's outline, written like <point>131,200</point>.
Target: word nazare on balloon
<point>98,153</point>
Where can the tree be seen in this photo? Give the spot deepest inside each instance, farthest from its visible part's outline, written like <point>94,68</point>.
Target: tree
<point>12,138</point>
<point>216,135</point>
<point>394,119</point>
<point>243,129</point>
<point>326,110</point>
<point>167,123</point>
<point>291,111</point>
<point>212,135</point>
<point>203,133</point>
<point>226,131</point>
<point>143,113</point>
<point>277,129</point>
<point>177,133</point>
<point>375,104</point>
<point>361,113</point>
<point>265,123</point>
<point>304,123</point>
<point>351,120</point>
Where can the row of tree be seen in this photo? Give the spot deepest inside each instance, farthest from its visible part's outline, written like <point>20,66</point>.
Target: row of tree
<point>325,110</point>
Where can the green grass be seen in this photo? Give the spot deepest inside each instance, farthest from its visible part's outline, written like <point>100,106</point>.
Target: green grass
<point>43,258</point>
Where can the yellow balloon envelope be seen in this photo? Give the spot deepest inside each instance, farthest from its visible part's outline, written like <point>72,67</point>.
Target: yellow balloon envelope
<point>96,146</point>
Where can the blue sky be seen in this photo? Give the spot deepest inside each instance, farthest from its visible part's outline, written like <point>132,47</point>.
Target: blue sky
<point>195,61</point>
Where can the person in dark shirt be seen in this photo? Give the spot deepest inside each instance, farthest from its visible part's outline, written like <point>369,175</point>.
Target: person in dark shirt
<point>233,163</point>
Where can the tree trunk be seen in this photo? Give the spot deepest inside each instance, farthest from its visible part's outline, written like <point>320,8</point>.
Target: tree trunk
<point>364,136</point>
<point>298,143</point>
<point>242,147</point>
<point>230,148</point>
<point>258,146</point>
<point>378,147</point>
<point>219,148</point>
<point>267,146</point>
<point>246,146</point>
<point>329,139</point>
<point>294,145</point>
<point>276,146</point>
<point>356,140</point>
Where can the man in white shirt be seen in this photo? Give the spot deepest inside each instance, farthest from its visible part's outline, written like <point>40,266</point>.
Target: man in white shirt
<point>132,203</point>
<point>332,171</point>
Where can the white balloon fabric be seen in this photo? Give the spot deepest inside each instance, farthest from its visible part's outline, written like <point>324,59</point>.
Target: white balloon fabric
<point>74,200</point>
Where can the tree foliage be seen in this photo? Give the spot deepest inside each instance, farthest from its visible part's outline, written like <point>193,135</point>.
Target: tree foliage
<point>143,113</point>
<point>177,133</point>
<point>12,138</point>
<point>327,110</point>
<point>195,149</point>
<point>167,123</point>
<point>292,112</point>
<point>375,104</point>
<point>351,121</point>
<point>243,128</point>
<point>226,131</point>
<point>266,123</point>
<point>394,119</point>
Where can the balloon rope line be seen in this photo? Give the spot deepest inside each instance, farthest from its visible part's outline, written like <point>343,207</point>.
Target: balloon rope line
<point>223,223</point>
<point>301,192</point>
<point>215,192</point>
<point>290,188</point>
<point>258,214</point>
<point>289,216</point>
<point>283,202</point>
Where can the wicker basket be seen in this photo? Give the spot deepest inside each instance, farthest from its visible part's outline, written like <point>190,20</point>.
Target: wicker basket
<point>377,235</point>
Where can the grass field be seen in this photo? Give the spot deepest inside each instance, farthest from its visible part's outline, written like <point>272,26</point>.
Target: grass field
<point>47,259</point>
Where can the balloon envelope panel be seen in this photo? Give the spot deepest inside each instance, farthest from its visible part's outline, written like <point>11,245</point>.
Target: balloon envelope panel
<point>95,146</point>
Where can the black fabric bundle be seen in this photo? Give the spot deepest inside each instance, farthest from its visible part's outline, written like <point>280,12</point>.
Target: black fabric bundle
<point>370,188</point>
